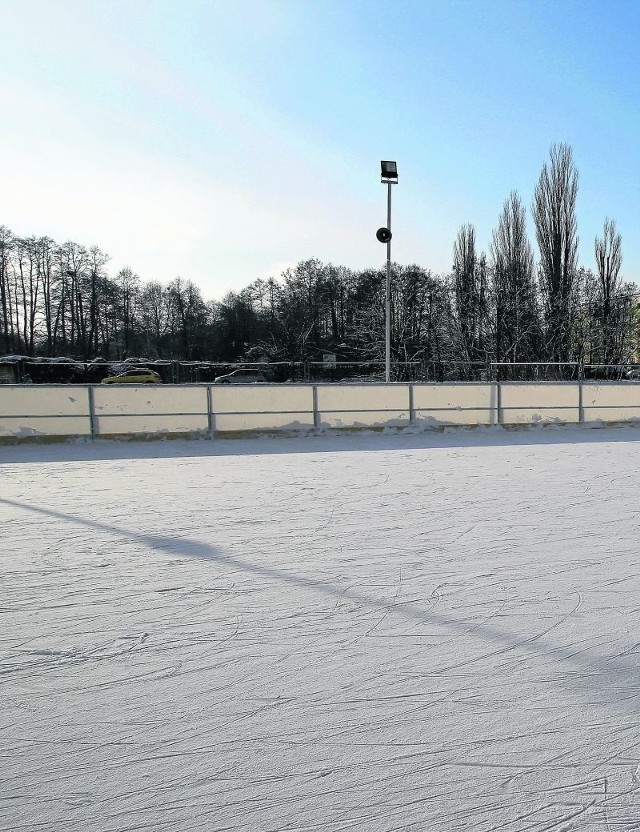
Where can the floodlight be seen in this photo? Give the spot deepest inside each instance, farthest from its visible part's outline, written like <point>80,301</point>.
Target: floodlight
<point>389,172</point>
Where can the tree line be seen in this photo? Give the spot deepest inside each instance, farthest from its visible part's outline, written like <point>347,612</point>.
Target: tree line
<point>502,305</point>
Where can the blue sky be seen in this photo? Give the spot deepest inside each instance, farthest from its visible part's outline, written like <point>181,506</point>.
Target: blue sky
<point>225,141</point>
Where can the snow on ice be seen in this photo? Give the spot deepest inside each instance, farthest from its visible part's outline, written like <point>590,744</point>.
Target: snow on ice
<point>429,632</point>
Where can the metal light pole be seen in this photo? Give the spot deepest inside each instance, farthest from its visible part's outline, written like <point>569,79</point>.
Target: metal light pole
<point>387,305</point>
<point>389,177</point>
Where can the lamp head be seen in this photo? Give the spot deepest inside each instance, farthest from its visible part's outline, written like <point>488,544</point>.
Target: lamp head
<point>389,172</point>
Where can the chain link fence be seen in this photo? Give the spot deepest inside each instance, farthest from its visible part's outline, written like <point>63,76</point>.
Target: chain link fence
<point>21,369</point>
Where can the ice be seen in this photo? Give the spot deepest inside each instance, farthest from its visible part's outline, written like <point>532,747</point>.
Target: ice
<point>380,632</point>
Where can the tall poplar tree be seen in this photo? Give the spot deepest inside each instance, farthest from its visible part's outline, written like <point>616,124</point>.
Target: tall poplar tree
<point>554,214</point>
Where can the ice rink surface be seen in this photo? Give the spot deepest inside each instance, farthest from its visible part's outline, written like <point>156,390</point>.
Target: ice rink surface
<point>429,632</point>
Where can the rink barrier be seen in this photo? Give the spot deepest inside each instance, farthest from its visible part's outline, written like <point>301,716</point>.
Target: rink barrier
<point>53,411</point>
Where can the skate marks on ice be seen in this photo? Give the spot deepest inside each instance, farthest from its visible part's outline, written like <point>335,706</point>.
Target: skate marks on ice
<point>459,663</point>
<point>586,659</point>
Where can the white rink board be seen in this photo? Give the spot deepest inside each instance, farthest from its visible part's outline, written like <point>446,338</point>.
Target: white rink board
<point>611,414</point>
<point>611,395</point>
<point>254,407</point>
<point>351,397</point>
<point>539,396</point>
<point>232,398</point>
<point>229,422</point>
<point>151,423</point>
<point>539,403</point>
<point>21,426</point>
<point>364,419</point>
<point>65,410</point>
<point>149,400</point>
<point>43,400</point>
<point>449,396</point>
<point>540,415</point>
<point>456,417</point>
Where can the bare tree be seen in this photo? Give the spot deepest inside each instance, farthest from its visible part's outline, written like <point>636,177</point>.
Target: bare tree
<point>46,254</point>
<point>516,324</point>
<point>613,302</point>
<point>7,243</point>
<point>470,287</point>
<point>556,233</point>
<point>155,314</point>
<point>93,286</point>
<point>27,288</point>
<point>608,254</point>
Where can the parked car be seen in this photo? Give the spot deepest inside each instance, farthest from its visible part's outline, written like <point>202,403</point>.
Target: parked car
<point>242,377</point>
<point>137,375</point>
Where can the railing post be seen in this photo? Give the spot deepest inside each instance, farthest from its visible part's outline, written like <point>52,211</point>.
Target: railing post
<point>580,402</point>
<point>316,412</point>
<point>211,427</point>
<point>92,411</point>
